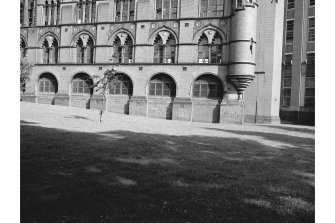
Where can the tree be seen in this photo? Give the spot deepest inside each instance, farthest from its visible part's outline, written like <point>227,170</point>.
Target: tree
<point>25,70</point>
<point>105,83</point>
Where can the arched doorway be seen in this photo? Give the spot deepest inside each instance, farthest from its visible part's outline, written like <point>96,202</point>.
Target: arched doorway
<point>47,88</point>
<point>81,90</point>
<point>120,94</point>
<point>207,94</point>
<point>161,93</point>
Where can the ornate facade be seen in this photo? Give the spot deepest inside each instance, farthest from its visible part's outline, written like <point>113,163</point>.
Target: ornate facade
<point>179,59</point>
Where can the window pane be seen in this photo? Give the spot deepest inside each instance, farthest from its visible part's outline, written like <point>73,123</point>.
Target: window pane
<point>152,89</point>
<point>159,87</point>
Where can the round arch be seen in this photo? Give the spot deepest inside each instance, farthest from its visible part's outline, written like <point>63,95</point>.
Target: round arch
<point>198,34</point>
<point>112,36</point>
<point>209,77</point>
<point>154,34</point>
<point>81,83</point>
<point>124,85</point>
<point>47,83</point>
<point>158,76</point>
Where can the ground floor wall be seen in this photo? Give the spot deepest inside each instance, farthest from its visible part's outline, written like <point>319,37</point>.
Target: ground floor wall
<point>182,106</point>
<point>301,116</point>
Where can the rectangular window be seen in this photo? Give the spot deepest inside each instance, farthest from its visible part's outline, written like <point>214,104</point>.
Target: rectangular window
<point>290,4</point>
<point>311,29</point>
<point>166,9</point>
<point>211,8</point>
<point>289,31</point>
<point>287,80</point>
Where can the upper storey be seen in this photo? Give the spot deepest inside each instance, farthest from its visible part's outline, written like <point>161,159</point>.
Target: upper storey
<point>58,12</point>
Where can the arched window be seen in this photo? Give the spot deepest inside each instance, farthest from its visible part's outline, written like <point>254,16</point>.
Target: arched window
<point>31,9</point>
<point>48,84</point>
<point>162,85</point>
<point>211,8</point>
<point>85,49</point>
<point>21,13</point>
<point>86,11</point>
<point>52,12</point>
<point>123,49</point>
<point>23,48</point>
<point>124,10</point>
<point>164,48</point>
<point>210,52</point>
<point>82,84</point>
<point>123,86</point>
<point>50,50</point>
<point>166,9</point>
<point>207,86</point>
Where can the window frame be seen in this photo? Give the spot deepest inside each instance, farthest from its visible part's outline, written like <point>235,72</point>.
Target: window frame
<point>129,17</point>
<point>170,8</point>
<point>311,30</point>
<point>207,6</point>
<point>287,78</point>
<point>163,80</point>
<point>166,51</point>
<point>310,76</point>
<point>206,80</point>
<point>290,5</point>
<point>87,52</point>
<point>210,49</point>
<point>85,85</point>
<point>289,32</point>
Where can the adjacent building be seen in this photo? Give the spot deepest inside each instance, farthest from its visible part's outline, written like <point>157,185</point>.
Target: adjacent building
<point>189,60</point>
<point>298,72</point>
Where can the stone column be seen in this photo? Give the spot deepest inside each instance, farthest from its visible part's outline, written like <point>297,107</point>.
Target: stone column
<point>90,11</point>
<point>83,12</point>
<point>25,13</point>
<point>49,14</point>
<point>55,13</point>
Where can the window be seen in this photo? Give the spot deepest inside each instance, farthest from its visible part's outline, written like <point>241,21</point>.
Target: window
<point>50,50</point>
<point>52,12</point>
<point>311,2</point>
<point>162,85</point>
<point>123,51</point>
<point>211,8</point>
<point>23,48</point>
<point>310,81</point>
<point>289,31</point>
<point>164,52</point>
<point>166,9</point>
<point>82,84</point>
<point>207,86</point>
<point>85,49</point>
<point>287,78</point>
<point>123,86</point>
<point>290,4</point>
<point>311,29</point>
<point>124,10</point>
<point>21,13</point>
<point>210,52</point>
<point>86,11</point>
<point>48,84</point>
<point>31,9</point>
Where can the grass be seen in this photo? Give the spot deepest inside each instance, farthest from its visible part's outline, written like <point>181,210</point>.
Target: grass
<point>196,173</point>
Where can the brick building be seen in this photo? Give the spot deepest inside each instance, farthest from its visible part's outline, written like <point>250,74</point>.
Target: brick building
<point>180,59</point>
<point>298,72</point>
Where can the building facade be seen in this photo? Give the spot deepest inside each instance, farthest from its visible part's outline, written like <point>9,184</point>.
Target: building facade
<point>298,72</point>
<point>179,59</point>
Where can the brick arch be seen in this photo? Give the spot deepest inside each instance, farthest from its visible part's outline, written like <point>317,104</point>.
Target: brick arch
<point>157,73</point>
<point>223,82</point>
<point>52,76</point>
<point>42,38</point>
<point>22,38</point>
<point>154,34</point>
<point>76,37</point>
<point>198,34</point>
<point>112,36</point>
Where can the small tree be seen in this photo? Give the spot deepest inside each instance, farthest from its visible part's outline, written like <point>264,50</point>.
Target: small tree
<point>25,70</point>
<point>105,83</point>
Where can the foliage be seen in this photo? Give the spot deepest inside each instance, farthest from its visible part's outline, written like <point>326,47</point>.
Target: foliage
<point>25,69</point>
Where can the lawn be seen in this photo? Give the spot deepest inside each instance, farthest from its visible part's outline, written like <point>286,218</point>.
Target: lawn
<point>137,169</point>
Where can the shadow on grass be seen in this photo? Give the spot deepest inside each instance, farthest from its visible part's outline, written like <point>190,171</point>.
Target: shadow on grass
<point>124,176</point>
<point>78,117</point>
<point>293,129</point>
